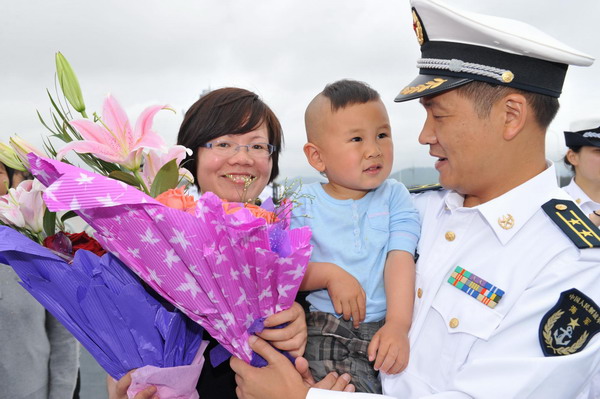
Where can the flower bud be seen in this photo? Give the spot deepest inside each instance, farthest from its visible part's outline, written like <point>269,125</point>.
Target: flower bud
<point>9,157</point>
<point>22,148</point>
<point>69,83</point>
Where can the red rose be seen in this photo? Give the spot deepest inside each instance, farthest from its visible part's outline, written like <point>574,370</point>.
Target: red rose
<point>77,241</point>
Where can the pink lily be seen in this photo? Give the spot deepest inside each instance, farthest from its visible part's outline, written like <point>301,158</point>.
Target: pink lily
<point>23,207</point>
<point>114,140</point>
<point>154,160</point>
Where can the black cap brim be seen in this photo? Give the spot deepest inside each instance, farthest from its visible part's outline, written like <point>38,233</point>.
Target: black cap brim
<point>576,139</point>
<point>427,85</point>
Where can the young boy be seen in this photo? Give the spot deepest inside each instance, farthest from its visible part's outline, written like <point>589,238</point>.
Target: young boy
<point>365,233</point>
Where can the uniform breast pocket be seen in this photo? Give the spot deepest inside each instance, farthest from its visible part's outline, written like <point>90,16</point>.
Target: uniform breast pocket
<point>462,313</point>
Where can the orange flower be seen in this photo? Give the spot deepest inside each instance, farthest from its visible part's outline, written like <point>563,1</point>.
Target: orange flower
<point>255,210</point>
<point>175,198</point>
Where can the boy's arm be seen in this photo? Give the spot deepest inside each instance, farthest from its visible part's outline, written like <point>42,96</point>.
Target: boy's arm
<point>389,346</point>
<point>347,295</point>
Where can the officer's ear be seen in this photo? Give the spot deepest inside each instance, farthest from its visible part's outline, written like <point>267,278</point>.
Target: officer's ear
<point>516,110</point>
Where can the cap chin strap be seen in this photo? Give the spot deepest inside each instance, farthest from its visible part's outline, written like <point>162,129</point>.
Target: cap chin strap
<point>454,65</point>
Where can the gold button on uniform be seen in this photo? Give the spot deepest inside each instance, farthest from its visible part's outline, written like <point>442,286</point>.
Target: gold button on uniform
<point>453,322</point>
<point>450,236</point>
<point>419,293</point>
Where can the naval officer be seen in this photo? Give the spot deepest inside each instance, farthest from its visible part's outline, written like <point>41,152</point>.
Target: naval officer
<point>506,301</point>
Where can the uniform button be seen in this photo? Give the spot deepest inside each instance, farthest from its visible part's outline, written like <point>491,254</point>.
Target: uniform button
<point>450,236</point>
<point>419,293</point>
<point>453,322</point>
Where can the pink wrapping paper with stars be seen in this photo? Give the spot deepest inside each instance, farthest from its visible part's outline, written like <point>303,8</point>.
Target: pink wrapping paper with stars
<point>225,271</point>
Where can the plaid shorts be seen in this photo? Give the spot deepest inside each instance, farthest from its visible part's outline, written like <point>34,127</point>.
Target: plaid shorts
<point>335,345</point>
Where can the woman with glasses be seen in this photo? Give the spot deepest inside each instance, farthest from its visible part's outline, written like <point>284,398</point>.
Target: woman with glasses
<point>236,141</point>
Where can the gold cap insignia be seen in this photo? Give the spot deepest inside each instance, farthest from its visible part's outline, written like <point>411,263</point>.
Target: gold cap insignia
<point>418,28</point>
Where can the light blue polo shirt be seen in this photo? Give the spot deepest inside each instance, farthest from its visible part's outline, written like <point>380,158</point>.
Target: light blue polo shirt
<point>357,235</point>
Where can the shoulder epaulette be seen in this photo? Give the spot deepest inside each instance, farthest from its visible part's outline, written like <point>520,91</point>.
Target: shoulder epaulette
<point>425,187</point>
<point>573,222</point>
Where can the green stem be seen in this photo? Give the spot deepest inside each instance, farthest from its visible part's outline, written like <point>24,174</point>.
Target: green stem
<point>84,114</point>
<point>137,175</point>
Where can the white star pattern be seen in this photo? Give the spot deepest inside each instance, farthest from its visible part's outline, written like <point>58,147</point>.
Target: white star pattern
<point>84,179</point>
<point>269,274</point>
<point>154,277</point>
<point>242,298</point>
<point>135,252</point>
<point>216,275</point>
<point>297,272</point>
<point>49,193</point>
<point>283,289</point>
<point>229,318</point>
<point>179,238</point>
<point>249,320</point>
<point>211,296</point>
<point>148,237</point>
<point>74,204</point>
<point>201,210</point>
<point>220,326</point>
<point>284,261</point>
<point>234,274</point>
<point>219,227</point>
<point>106,233</point>
<point>261,251</point>
<point>246,270</point>
<point>171,258</point>
<point>221,258</point>
<point>107,201</point>
<point>190,285</point>
<point>266,293</point>
<point>194,270</point>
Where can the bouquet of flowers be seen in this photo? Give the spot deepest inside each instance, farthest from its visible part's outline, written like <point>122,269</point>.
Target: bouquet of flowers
<point>92,293</point>
<point>227,266</point>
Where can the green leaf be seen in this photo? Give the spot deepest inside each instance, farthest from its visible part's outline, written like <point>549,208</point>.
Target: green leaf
<point>68,215</point>
<point>165,179</point>
<point>49,223</point>
<point>124,177</point>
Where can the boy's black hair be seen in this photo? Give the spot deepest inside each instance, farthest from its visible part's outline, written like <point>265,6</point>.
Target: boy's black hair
<point>347,92</point>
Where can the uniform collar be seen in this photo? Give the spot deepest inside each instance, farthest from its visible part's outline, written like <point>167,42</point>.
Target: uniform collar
<point>578,194</point>
<point>507,214</point>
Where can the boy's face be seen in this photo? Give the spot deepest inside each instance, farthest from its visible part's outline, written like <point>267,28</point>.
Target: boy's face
<point>356,149</point>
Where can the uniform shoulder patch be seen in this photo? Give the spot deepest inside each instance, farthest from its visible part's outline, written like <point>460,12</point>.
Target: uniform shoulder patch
<point>569,325</point>
<point>573,222</point>
<point>423,188</point>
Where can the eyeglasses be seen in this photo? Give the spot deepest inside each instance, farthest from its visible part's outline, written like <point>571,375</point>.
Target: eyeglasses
<point>229,148</point>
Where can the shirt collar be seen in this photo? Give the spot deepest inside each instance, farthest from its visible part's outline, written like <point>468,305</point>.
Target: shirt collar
<point>507,214</point>
<point>578,194</point>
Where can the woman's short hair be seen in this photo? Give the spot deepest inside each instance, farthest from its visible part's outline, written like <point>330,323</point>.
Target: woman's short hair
<point>229,110</point>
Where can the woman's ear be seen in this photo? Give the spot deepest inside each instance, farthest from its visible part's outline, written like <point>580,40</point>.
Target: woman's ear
<point>313,155</point>
<point>516,112</point>
<point>572,157</point>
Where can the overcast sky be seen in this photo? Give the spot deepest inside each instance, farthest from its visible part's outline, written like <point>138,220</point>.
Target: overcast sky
<point>148,52</point>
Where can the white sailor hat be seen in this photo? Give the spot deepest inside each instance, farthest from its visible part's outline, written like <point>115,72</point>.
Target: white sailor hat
<point>458,47</point>
<point>583,133</point>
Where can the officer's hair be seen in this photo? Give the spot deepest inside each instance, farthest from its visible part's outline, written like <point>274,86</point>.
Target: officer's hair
<point>348,92</point>
<point>484,95</point>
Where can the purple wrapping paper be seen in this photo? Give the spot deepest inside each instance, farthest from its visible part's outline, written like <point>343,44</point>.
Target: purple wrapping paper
<point>223,271</point>
<point>103,305</point>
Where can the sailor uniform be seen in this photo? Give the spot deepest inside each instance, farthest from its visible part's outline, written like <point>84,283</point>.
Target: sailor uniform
<point>582,199</point>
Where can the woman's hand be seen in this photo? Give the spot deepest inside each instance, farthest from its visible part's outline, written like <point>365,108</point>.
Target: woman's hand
<point>118,389</point>
<point>291,338</point>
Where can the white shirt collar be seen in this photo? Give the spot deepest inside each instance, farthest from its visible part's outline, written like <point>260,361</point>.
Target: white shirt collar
<point>514,208</point>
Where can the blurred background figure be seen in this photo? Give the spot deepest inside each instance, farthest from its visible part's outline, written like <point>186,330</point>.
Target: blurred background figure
<point>39,358</point>
<point>583,158</point>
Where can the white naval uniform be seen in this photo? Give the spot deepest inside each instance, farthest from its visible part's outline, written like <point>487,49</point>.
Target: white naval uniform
<point>586,204</point>
<point>461,348</point>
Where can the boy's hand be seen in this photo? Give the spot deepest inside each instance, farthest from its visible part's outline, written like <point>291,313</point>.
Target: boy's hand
<point>389,348</point>
<point>347,296</point>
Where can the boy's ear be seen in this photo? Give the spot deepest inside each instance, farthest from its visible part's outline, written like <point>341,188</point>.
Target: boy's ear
<point>516,109</point>
<point>313,155</point>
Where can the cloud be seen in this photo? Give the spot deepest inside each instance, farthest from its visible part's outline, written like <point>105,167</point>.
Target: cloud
<point>150,51</point>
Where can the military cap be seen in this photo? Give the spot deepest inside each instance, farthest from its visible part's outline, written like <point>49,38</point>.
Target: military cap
<point>458,47</point>
<point>583,133</point>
